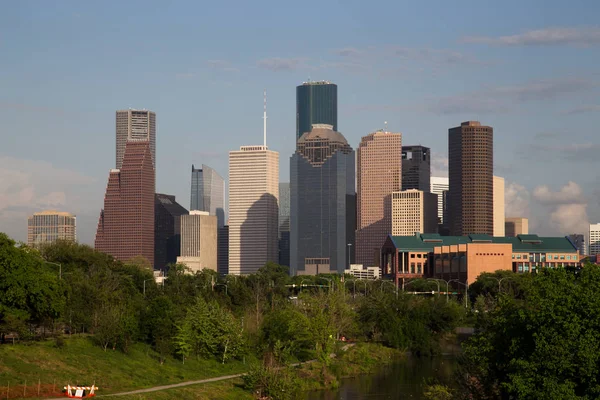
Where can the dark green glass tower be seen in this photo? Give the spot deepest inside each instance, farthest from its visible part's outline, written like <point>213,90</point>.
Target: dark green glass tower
<point>316,103</point>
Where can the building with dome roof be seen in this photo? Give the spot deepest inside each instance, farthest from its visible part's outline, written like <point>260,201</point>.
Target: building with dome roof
<point>322,203</point>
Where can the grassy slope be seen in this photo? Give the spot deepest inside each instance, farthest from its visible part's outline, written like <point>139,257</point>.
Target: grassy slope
<point>80,362</point>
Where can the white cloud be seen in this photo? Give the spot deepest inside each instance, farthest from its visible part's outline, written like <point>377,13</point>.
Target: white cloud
<point>571,193</point>
<point>582,36</point>
<point>27,186</point>
<point>516,200</point>
<point>439,165</point>
<point>550,212</point>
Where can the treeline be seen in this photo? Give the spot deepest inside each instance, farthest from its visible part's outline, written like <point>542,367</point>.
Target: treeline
<point>71,288</point>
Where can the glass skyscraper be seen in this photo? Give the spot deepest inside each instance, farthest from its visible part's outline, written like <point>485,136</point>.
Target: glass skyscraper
<point>284,223</point>
<point>208,193</point>
<point>316,103</point>
<point>322,203</point>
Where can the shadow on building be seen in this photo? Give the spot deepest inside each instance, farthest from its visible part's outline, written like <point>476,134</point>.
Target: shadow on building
<point>258,235</point>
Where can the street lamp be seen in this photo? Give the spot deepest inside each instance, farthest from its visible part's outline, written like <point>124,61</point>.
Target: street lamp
<point>59,268</point>
<point>391,283</point>
<point>499,280</point>
<point>438,282</point>
<point>466,285</point>
<point>330,282</point>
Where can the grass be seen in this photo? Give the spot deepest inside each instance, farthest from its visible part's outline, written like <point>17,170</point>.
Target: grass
<point>80,362</point>
<point>223,390</point>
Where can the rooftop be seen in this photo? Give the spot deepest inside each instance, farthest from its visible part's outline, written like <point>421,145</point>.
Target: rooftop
<point>317,83</point>
<point>524,243</point>
<point>54,212</point>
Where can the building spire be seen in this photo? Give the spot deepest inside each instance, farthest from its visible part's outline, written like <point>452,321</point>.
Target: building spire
<point>265,120</point>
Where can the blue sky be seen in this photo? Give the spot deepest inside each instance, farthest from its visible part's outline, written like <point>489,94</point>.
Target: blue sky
<point>529,69</point>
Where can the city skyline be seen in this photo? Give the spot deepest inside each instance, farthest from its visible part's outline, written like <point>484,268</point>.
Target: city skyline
<point>545,113</point>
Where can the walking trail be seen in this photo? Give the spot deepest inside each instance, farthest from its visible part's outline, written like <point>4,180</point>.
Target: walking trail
<point>181,384</point>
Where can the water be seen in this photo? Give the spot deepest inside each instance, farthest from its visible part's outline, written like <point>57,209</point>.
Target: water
<point>405,379</point>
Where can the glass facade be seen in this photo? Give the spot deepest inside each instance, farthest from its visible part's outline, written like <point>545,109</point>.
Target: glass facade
<point>322,201</point>
<point>316,103</point>
<point>284,224</point>
<point>167,229</point>
<point>208,193</point>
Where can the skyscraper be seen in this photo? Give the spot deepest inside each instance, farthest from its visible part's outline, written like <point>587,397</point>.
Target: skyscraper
<point>126,224</point>
<point>439,185</point>
<point>198,241</point>
<point>499,213</point>
<point>135,125</point>
<point>316,103</point>
<point>516,226</point>
<point>253,208</point>
<point>594,239</point>
<point>322,202</point>
<point>380,171</point>
<point>167,229</point>
<point>416,168</point>
<point>413,211</point>
<point>223,250</point>
<point>208,192</point>
<point>471,170</point>
<point>284,223</point>
<point>49,226</point>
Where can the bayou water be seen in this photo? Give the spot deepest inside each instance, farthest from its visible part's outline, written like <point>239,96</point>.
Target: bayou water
<point>404,379</point>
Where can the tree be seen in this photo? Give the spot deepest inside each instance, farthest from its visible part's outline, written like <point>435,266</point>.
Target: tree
<point>546,345</point>
<point>30,292</point>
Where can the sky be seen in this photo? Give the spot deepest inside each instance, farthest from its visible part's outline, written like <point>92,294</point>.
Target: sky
<point>529,69</point>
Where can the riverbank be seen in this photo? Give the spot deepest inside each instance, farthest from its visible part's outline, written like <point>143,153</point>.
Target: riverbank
<point>41,369</point>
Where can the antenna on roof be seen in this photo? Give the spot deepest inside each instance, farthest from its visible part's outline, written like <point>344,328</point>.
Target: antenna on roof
<point>265,120</point>
<point>385,123</point>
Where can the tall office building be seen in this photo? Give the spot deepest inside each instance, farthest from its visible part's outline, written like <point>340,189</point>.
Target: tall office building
<point>198,241</point>
<point>414,211</point>
<point>471,170</point>
<point>284,223</point>
<point>208,192</point>
<point>135,125</point>
<point>167,230</point>
<point>49,226</point>
<point>594,239</point>
<point>126,224</point>
<point>515,226</point>
<point>416,168</point>
<point>578,240</point>
<point>439,185</point>
<point>499,207</point>
<point>380,173</point>
<point>316,103</point>
<point>322,203</point>
<point>253,208</point>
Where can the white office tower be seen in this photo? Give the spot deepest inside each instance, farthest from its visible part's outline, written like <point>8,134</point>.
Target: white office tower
<point>594,239</point>
<point>439,185</point>
<point>253,208</point>
<point>198,241</point>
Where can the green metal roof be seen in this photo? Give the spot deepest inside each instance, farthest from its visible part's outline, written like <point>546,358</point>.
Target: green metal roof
<point>525,243</point>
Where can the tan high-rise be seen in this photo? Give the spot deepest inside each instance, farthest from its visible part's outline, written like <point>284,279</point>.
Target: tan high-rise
<point>379,169</point>
<point>470,173</point>
<point>499,213</point>
<point>414,211</point>
<point>135,125</point>
<point>253,208</point>
<point>49,226</point>
<point>515,226</point>
<point>198,241</point>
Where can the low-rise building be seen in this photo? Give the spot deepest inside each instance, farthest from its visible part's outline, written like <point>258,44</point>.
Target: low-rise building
<point>360,272</point>
<point>464,258</point>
